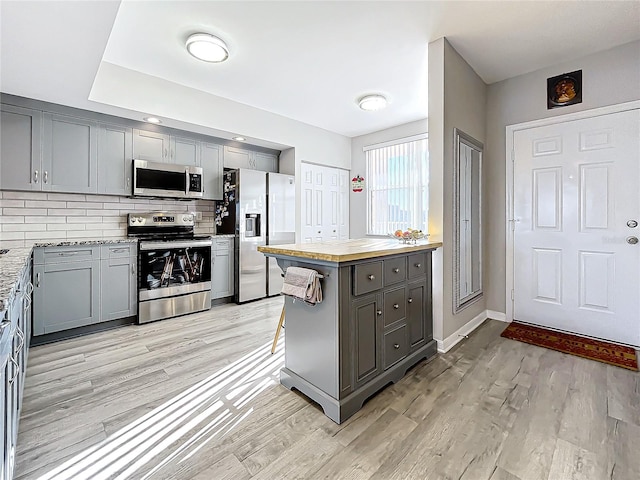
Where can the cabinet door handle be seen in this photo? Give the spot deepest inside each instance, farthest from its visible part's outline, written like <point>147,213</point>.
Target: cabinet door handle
<point>410,300</point>
<point>396,270</point>
<point>133,270</point>
<point>418,265</point>
<point>128,181</point>
<point>165,153</point>
<point>396,306</point>
<point>396,346</point>
<point>379,312</point>
<point>35,176</point>
<point>45,177</point>
<point>37,280</point>
<point>371,277</point>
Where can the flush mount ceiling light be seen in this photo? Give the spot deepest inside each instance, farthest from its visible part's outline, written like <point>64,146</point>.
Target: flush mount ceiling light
<point>371,103</point>
<point>207,48</point>
<point>238,139</point>
<point>152,119</point>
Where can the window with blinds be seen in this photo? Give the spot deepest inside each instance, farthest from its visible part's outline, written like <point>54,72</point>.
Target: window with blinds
<point>397,176</point>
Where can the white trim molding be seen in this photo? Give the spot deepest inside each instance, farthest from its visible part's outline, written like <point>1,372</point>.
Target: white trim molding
<point>500,316</point>
<point>452,340</point>
<point>510,159</point>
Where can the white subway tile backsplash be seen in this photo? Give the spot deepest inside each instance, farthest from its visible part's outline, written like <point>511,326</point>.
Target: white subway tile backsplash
<point>68,197</point>
<point>32,216</point>
<point>11,219</point>
<point>44,204</point>
<point>67,211</point>
<point>25,195</point>
<point>65,226</point>
<point>23,227</point>
<point>11,235</point>
<point>43,219</point>
<point>24,211</point>
<point>11,203</point>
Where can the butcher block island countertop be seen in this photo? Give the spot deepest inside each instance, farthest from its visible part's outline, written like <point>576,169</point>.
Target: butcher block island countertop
<point>373,324</point>
<point>347,250</point>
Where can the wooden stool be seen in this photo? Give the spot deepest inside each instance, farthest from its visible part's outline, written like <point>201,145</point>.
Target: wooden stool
<point>275,340</point>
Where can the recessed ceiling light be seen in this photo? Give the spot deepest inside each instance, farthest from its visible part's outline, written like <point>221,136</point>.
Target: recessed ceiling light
<point>207,48</point>
<point>152,119</point>
<point>239,139</point>
<point>372,102</point>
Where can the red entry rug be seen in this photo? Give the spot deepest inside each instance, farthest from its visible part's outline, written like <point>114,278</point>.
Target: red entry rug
<point>600,351</point>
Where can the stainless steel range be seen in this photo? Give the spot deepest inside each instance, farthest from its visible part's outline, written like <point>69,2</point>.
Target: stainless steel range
<point>174,266</point>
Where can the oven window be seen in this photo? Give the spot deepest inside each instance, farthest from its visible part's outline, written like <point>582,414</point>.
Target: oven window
<point>160,179</point>
<point>171,267</point>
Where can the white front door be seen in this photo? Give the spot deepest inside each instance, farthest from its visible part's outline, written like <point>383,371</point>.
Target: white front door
<point>576,198</point>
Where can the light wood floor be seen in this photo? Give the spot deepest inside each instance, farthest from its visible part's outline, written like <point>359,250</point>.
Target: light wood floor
<point>197,397</point>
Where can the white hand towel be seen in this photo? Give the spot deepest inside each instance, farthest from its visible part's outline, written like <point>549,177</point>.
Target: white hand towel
<point>302,283</point>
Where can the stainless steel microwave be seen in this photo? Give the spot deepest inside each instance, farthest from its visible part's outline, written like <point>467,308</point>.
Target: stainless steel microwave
<point>152,179</point>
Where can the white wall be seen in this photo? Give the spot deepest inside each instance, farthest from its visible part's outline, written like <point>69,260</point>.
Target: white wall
<point>457,99</point>
<point>608,78</point>
<point>358,200</point>
<point>146,93</point>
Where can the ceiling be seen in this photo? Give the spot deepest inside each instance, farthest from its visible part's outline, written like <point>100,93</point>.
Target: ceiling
<point>305,60</point>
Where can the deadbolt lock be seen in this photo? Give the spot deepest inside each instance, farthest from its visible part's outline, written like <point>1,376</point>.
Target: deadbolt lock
<point>632,224</point>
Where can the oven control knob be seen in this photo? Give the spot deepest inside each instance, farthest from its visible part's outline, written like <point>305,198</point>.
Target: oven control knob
<point>187,218</point>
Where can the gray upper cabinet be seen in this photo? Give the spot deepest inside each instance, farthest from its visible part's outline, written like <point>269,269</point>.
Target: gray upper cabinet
<point>184,151</point>
<point>237,158</point>
<point>20,154</point>
<point>115,154</point>
<point>211,160</point>
<point>240,158</point>
<point>151,146</point>
<point>70,154</point>
<point>266,162</point>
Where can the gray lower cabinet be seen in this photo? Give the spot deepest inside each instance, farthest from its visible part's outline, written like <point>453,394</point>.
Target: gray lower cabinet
<point>69,154</point>
<point>211,162</point>
<point>13,363</point>
<point>118,277</point>
<point>115,154</point>
<point>83,285</point>
<point>365,313</point>
<point>222,275</point>
<point>20,154</point>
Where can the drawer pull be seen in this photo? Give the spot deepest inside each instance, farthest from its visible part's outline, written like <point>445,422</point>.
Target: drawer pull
<point>371,277</point>
<point>67,254</point>
<point>396,306</point>
<point>410,300</point>
<point>38,280</point>
<point>396,346</point>
<point>396,270</point>
<point>119,250</point>
<point>379,312</point>
<point>418,265</point>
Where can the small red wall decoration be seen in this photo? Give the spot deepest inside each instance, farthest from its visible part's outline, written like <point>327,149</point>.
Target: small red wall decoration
<point>357,183</point>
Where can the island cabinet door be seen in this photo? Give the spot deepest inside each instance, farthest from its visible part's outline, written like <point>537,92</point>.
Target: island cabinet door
<point>417,313</point>
<point>366,318</point>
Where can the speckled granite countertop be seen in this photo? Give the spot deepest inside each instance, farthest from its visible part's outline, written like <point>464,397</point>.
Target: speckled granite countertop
<point>16,259</point>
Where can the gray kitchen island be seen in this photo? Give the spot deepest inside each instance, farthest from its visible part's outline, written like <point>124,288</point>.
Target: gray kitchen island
<point>374,323</point>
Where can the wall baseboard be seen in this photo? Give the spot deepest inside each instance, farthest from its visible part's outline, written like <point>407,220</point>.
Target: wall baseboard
<point>493,315</point>
<point>452,340</point>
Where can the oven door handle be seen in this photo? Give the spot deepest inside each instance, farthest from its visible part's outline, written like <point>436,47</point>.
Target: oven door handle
<point>188,179</point>
<point>175,244</point>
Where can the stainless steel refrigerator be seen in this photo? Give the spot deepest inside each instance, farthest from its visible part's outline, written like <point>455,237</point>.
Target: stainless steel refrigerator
<point>261,211</point>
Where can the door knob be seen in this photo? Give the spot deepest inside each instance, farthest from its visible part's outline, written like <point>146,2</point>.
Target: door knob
<point>396,306</point>
<point>632,240</point>
<point>632,224</point>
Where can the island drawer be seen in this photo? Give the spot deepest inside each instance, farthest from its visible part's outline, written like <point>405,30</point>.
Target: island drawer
<point>395,307</point>
<point>367,277</point>
<point>395,270</point>
<point>417,265</point>
<point>396,346</point>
